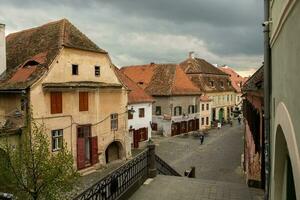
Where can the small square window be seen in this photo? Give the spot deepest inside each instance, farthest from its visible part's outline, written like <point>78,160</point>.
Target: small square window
<point>57,139</point>
<point>74,69</point>
<point>97,70</point>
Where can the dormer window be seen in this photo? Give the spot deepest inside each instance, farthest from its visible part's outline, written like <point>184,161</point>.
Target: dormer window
<point>74,69</point>
<point>221,83</point>
<point>228,83</point>
<point>211,83</point>
<point>140,83</point>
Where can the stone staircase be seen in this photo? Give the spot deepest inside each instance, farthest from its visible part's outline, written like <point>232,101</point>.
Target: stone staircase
<point>174,187</point>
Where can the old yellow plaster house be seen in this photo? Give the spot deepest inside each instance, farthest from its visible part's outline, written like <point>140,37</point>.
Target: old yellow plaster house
<point>69,85</point>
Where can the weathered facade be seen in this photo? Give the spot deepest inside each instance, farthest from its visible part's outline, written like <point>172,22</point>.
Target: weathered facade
<point>214,83</point>
<point>253,109</point>
<point>285,109</point>
<point>69,85</point>
<point>177,99</point>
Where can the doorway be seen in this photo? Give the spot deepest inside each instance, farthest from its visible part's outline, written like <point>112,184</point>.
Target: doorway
<point>83,146</point>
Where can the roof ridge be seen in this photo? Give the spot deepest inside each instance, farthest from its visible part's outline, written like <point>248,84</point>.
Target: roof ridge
<point>37,27</point>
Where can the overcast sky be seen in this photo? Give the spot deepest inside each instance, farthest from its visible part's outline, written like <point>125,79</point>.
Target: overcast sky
<point>143,31</point>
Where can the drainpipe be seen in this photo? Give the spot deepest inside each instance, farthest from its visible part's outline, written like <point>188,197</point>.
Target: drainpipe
<point>267,94</point>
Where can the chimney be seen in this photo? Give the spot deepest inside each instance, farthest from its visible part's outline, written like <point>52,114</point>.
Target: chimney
<point>191,54</point>
<point>2,49</point>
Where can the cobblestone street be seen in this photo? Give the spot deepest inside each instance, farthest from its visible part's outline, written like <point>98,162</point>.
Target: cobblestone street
<point>218,168</point>
<point>218,158</point>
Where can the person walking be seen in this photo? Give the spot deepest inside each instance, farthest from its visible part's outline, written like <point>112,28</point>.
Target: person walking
<point>201,139</point>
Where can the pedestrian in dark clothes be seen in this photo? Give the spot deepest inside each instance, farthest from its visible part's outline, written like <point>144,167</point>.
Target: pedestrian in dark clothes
<point>201,139</point>
<point>239,119</point>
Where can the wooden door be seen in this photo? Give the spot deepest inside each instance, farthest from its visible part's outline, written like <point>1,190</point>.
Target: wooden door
<point>136,138</point>
<point>80,153</point>
<point>183,127</point>
<point>94,150</point>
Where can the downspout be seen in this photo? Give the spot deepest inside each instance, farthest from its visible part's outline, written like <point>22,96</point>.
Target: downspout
<point>267,94</point>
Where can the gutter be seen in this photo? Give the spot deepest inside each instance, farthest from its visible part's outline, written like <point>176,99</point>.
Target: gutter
<point>267,94</point>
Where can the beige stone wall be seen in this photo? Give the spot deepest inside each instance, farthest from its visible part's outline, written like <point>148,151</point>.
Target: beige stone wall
<point>8,104</point>
<point>102,102</point>
<point>204,114</point>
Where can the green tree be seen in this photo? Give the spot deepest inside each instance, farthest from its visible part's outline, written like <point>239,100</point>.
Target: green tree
<point>32,171</point>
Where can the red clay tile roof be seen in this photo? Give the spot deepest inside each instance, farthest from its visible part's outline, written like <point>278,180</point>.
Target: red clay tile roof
<point>41,45</point>
<point>140,74</point>
<point>136,94</point>
<point>199,66</point>
<point>202,74</point>
<point>236,80</point>
<point>162,79</point>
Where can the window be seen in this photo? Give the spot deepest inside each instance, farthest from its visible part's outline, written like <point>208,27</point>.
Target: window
<point>191,109</point>
<point>97,70</point>
<point>141,112</point>
<point>231,97</point>
<point>202,106</point>
<point>114,121</point>
<point>22,104</point>
<point>207,120</point>
<point>228,83</point>
<point>56,102</point>
<point>83,101</point>
<point>177,111</point>
<point>57,139</point>
<point>227,97</point>
<point>74,69</point>
<point>207,106</point>
<point>196,108</point>
<point>211,83</point>
<point>221,83</point>
<point>130,115</point>
<point>157,110</point>
<point>202,121</point>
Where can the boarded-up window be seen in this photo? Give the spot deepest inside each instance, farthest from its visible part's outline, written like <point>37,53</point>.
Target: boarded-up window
<point>56,102</point>
<point>141,112</point>
<point>83,101</point>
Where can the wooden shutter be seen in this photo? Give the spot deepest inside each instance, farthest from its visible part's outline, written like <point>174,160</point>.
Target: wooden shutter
<point>56,102</point>
<point>94,150</point>
<point>83,101</point>
<point>80,153</point>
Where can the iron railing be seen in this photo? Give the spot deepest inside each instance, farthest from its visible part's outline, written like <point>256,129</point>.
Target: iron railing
<point>115,184</point>
<point>163,168</point>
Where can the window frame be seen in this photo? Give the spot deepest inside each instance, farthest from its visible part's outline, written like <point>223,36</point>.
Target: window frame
<point>207,106</point>
<point>191,109</point>
<point>207,121</point>
<point>97,69</point>
<point>75,69</point>
<point>130,115</point>
<point>141,112</point>
<point>114,121</point>
<point>202,121</point>
<point>158,110</point>
<point>202,107</point>
<point>55,139</point>
<point>179,111</point>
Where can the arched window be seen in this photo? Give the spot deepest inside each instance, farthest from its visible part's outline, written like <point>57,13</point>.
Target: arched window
<point>191,109</point>
<point>177,111</point>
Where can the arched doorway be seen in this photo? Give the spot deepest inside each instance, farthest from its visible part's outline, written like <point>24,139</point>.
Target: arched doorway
<point>284,185</point>
<point>113,152</point>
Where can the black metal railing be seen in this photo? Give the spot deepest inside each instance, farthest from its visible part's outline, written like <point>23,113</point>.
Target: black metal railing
<point>115,184</point>
<point>163,168</point>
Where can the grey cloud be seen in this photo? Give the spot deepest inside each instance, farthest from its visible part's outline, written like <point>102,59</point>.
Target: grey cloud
<point>229,28</point>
